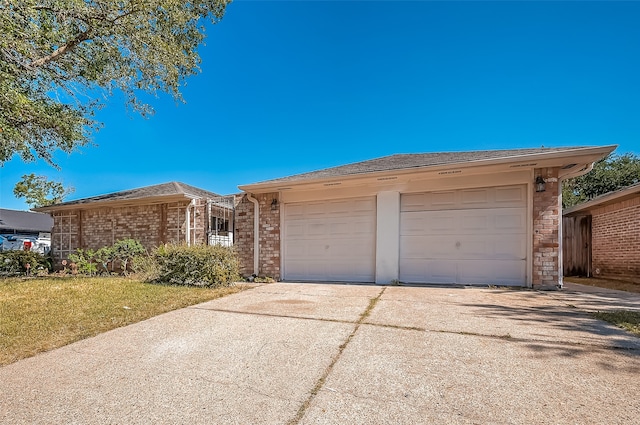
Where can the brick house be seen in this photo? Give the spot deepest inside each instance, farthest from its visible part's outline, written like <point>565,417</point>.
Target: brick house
<point>153,215</point>
<point>606,236</point>
<point>483,217</point>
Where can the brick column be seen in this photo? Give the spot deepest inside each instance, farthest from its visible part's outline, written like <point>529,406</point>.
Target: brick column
<point>243,234</point>
<point>269,235</point>
<point>546,236</point>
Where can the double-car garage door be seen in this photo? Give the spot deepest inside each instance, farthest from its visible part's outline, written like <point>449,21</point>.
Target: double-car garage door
<point>471,236</point>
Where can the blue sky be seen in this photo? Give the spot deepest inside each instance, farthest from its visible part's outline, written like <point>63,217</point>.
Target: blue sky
<point>294,86</point>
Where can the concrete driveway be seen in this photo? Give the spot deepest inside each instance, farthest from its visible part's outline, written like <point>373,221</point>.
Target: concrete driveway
<point>345,354</point>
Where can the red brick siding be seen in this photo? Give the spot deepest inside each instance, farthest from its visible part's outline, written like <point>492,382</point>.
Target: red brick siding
<point>97,227</point>
<point>546,243</point>
<point>269,235</point>
<point>616,240</point>
<point>243,234</point>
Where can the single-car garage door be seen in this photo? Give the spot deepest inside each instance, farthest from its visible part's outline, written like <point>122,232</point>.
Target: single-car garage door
<point>474,236</point>
<point>330,240</point>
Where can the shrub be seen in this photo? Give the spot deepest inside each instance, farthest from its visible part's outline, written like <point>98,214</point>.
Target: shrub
<point>84,261</point>
<point>200,265</point>
<point>105,256</point>
<point>15,262</point>
<point>125,250</point>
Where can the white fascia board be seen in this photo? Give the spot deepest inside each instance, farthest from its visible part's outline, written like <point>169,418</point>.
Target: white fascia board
<point>114,203</point>
<point>531,161</point>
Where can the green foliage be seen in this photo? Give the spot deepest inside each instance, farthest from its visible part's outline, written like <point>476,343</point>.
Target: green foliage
<point>104,256</point>
<point>38,191</point>
<point>90,262</point>
<point>84,260</point>
<point>199,265</point>
<point>15,263</point>
<point>625,319</point>
<point>59,57</point>
<point>126,249</point>
<point>611,173</point>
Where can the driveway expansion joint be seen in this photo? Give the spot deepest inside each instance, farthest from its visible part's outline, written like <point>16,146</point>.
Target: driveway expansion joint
<point>320,383</point>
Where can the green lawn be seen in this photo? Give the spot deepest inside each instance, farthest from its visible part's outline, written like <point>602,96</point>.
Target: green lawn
<point>625,319</point>
<point>44,313</point>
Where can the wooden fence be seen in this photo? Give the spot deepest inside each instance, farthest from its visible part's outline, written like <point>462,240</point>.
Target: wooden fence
<point>576,245</point>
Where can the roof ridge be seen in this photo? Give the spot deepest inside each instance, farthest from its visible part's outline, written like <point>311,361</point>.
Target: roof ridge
<point>178,187</point>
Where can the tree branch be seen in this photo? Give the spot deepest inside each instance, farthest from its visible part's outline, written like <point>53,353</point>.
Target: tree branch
<point>60,51</point>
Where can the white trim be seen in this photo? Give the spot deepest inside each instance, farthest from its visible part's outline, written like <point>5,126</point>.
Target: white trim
<point>559,158</point>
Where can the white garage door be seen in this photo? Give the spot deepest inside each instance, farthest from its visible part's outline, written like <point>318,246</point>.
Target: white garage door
<point>330,240</point>
<point>475,236</point>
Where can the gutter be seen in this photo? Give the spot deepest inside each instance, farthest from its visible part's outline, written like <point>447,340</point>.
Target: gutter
<point>256,233</point>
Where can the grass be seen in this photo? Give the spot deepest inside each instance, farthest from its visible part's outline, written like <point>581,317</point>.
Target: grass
<point>620,285</point>
<point>628,320</point>
<point>40,314</point>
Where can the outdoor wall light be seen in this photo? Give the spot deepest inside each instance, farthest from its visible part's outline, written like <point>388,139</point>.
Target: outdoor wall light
<point>541,185</point>
<point>274,204</point>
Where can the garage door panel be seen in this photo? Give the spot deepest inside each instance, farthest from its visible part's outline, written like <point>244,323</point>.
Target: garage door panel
<point>510,249</point>
<point>330,240</point>
<point>474,197</point>
<point>420,271</point>
<point>477,198</point>
<point>497,272</point>
<point>510,220</point>
<point>480,239</point>
<point>510,196</point>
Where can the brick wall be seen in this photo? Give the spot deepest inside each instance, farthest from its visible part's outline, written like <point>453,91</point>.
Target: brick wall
<point>546,243</point>
<point>616,240</point>
<point>152,225</point>
<point>269,235</point>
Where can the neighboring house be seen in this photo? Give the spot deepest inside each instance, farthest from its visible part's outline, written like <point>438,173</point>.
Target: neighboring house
<point>21,230</point>
<point>449,218</point>
<point>169,212</point>
<point>602,236</point>
<point>13,222</point>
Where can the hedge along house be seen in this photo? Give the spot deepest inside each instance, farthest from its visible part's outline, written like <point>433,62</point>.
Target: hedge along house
<point>602,236</point>
<point>154,215</point>
<point>484,217</point>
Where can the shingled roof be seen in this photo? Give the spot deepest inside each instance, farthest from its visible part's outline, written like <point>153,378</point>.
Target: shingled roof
<point>416,160</point>
<point>155,191</point>
<point>24,221</point>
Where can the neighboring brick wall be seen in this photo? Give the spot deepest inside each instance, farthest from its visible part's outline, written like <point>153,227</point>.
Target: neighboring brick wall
<point>616,240</point>
<point>546,243</point>
<point>152,225</point>
<point>269,235</point>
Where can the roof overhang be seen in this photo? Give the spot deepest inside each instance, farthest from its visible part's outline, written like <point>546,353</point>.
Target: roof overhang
<point>572,162</point>
<point>117,203</point>
<point>606,199</point>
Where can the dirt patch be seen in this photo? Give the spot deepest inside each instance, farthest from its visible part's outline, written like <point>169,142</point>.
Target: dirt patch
<point>620,285</point>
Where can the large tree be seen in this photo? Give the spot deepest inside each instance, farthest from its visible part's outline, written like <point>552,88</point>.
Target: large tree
<point>39,191</point>
<point>611,173</point>
<point>59,60</point>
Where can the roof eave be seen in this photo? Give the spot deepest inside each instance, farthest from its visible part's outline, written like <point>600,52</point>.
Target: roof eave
<point>595,152</point>
<point>608,198</point>
<point>115,203</point>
